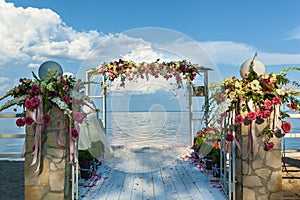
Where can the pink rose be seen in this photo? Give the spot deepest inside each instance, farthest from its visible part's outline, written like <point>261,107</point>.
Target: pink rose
<point>286,127</point>
<point>239,119</point>
<point>78,117</point>
<point>20,122</point>
<point>259,113</point>
<point>276,100</point>
<point>266,113</point>
<point>268,104</point>
<point>28,120</point>
<point>74,133</point>
<point>251,115</point>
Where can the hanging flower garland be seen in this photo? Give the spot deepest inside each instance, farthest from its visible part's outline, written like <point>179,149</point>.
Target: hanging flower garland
<point>132,71</point>
<point>37,97</point>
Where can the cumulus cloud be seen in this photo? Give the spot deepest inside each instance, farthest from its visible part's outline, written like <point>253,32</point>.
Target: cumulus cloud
<point>30,35</point>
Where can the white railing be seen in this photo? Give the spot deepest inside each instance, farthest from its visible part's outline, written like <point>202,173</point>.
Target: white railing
<point>10,136</point>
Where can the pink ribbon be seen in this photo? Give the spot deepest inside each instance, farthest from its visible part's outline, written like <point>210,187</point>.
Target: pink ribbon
<point>58,140</point>
<point>37,116</point>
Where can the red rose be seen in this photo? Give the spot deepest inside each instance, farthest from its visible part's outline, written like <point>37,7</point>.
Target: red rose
<point>269,146</point>
<point>47,119</point>
<point>28,104</point>
<point>67,99</point>
<point>229,137</point>
<point>286,127</point>
<point>251,115</point>
<point>34,89</point>
<point>20,122</point>
<point>35,102</point>
<point>74,133</point>
<point>28,120</point>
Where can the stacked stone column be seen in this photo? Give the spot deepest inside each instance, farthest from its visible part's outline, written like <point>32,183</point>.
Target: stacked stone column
<point>53,181</point>
<point>259,176</point>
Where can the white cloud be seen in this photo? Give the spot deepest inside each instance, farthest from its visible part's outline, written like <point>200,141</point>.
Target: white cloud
<point>31,35</point>
<point>294,34</point>
<point>4,84</point>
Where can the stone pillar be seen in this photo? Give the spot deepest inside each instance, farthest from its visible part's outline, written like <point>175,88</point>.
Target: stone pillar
<point>259,177</point>
<point>53,181</point>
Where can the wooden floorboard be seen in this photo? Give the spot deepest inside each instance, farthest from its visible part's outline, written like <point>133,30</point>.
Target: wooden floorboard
<point>147,180</point>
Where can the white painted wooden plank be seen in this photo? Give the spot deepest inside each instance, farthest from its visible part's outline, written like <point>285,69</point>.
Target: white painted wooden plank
<point>178,184</point>
<point>118,182</point>
<point>170,189</point>
<point>158,186</point>
<point>188,182</point>
<point>137,188</point>
<point>127,187</point>
<point>203,184</point>
<point>148,190</point>
<point>106,186</point>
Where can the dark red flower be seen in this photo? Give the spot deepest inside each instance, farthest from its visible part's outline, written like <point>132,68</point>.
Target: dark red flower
<point>229,137</point>
<point>67,99</point>
<point>74,133</point>
<point>34,89</point>
<point>269,146</point>
<point>20,122</point>
<point>28,120</point>
<point>47,119</point>
<point>286,127</point>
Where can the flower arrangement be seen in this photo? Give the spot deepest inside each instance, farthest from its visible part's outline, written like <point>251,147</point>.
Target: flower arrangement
<point>257,97</point>
<point>132,71</point>
<point>37,97</point>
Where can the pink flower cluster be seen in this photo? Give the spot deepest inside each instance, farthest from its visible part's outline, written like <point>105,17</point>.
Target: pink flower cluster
<point>264,112</point>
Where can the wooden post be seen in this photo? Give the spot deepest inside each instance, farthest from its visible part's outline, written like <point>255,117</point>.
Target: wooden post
<point>53,181</point>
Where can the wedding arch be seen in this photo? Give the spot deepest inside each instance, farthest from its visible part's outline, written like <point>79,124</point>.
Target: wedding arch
<point>177,71</point>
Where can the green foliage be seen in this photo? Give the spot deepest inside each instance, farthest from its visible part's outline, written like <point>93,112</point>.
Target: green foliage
<point>85,155</point>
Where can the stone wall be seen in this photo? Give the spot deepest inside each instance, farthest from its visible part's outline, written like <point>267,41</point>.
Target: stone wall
<point>259,177</point>
<point>53,181</point>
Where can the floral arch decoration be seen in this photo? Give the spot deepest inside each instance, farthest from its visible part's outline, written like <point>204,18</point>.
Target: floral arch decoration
<point>130,70</point>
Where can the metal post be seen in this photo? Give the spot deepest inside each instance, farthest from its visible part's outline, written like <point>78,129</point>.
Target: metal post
<point>206,97</point>
<point>191,112</point>
<point>87,86</point>
<point>104,115</point>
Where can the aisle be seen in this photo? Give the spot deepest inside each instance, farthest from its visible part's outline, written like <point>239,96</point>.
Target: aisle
<point>180,179</point>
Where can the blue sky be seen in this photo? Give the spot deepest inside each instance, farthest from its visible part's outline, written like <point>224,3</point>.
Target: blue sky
<point>230,32</point>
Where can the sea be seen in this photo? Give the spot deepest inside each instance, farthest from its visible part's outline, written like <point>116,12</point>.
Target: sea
<point>139,129</point>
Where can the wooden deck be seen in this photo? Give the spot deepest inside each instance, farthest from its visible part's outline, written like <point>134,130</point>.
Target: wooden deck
<point>179,179</point>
